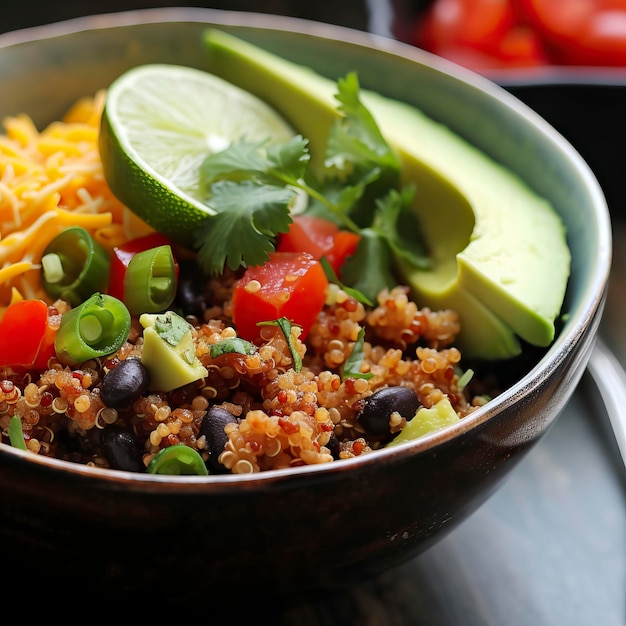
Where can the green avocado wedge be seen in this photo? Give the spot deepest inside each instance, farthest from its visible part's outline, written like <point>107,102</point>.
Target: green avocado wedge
<point>499,250</point>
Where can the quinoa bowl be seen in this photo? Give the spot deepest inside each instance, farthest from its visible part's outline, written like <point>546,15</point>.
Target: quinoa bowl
<point>305,526</point>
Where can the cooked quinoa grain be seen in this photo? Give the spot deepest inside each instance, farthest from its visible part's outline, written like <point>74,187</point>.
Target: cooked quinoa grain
<point>280,416</point>
<point>292,399</point>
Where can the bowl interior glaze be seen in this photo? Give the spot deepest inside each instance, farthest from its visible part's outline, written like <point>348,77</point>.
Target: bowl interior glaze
<point>355,518</point>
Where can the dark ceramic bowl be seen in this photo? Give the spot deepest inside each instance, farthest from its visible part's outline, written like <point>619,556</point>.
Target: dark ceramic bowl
<point>312,528</point>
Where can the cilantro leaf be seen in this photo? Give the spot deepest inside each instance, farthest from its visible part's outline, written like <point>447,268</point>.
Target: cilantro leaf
<point>359,154</point>
<point>230,345</point>
<point>252,187</point>
<point>288,161</point>
<point>395,223</point>
<point>368,270</point>
<point>240,160</point>
<point>332,278</point>
<point>242,233</point>
<point>275,164</point>
<point>356,137</point>
<point>171,327</point>
<point>352,365</point>
<point>285,326</point>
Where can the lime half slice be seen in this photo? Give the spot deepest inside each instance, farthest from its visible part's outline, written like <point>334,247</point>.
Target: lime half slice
<point>159,124</point>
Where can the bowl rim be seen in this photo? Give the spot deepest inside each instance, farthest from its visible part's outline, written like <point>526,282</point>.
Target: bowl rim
<point>523,387</point>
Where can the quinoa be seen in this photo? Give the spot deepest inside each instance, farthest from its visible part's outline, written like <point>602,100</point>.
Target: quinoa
<point>282,417</point>
<point>275,414</point>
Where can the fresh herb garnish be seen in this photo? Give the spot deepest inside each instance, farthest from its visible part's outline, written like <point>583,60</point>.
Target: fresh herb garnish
<point>285,326</point>
<point>251,188</point>
<point>333,278</point>
<point>352,366</point>
<point>233,344</point>
<point>172,328</point>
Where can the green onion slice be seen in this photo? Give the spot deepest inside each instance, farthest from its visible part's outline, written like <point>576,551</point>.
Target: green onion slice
<point>150,282</point>
<point>96,328</point>
<point>74,265</point>
<point>16,434</point>
<point>176,460</point>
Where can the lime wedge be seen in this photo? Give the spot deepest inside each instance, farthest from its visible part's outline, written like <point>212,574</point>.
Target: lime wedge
<point>158,125</point>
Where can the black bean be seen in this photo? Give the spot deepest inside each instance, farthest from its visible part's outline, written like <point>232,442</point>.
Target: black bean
<point>373,413</point>
<point>212,428</point>
<point>121,450</point>
<point>334,446</point>
<point>193,292</point>
<point>123,384</point>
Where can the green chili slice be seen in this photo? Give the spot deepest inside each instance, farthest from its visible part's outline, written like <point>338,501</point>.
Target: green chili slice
<point>74,265</point>
<point>150,282</point>
<point>176,460</point>
<point>97,327</point>
<point>16,434</point>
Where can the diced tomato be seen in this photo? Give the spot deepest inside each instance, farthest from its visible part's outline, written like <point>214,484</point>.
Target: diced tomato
<point>290,284</point>
<point>27,332</point>
<point>319,237</point>
<point>122,256</point>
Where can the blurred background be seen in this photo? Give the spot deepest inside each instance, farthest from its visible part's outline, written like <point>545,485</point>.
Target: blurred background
<point>351,13</point>
<point>484,35</point>
<point>491,35</point>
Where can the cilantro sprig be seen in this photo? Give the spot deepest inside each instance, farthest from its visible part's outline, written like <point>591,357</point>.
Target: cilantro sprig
<point>352,366</point>
<point>285,326</point>
<point>252,186</point>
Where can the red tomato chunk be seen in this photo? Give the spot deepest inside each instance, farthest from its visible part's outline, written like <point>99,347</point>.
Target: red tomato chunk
<point>27,332</point>
<point>319,237</point>
<point>290,284</point>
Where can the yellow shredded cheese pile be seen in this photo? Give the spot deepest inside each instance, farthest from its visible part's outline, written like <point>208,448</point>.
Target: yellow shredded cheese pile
<point>51,180</point>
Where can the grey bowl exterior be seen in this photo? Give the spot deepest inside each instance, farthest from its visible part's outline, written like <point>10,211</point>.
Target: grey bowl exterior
<point>316,527</point>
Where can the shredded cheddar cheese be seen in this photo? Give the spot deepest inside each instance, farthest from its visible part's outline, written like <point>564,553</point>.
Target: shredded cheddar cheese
<point>51,180</point>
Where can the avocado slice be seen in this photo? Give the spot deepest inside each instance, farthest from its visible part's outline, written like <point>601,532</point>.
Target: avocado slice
<point>169,351</point>
<point>427,421</point>
<point>504,264</point>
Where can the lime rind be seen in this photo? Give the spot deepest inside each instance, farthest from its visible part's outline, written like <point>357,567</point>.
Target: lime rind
<point>159,124</point>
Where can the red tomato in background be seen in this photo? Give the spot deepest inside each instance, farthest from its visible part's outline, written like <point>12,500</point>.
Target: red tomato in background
<point>521,47</point>
<point>580,32</point>
<point>479,24</point>
<point>289,284</point>
<point>479,34</point>
<point>319,237</point>
<point>496,34</point>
